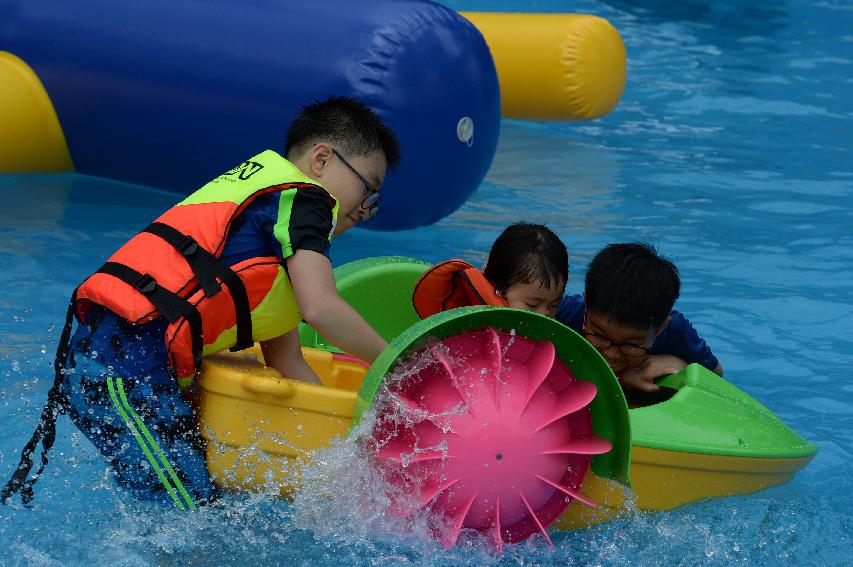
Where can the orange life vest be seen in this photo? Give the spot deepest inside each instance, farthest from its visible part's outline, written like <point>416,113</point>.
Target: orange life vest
<point>172,268</point>
<point>451,284</point>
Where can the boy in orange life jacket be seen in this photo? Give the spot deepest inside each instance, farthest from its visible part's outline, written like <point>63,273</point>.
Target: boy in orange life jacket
<point>243,259</point>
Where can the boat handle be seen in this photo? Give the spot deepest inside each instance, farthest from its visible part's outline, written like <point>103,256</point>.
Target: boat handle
<point>272,386</point>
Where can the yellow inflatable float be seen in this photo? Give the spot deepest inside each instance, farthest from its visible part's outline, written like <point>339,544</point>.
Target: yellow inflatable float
<point>31,139</point>
<point>554,66</point>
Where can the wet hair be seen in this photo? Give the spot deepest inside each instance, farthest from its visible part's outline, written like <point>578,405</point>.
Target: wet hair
<point>632,285</point>
<point>355,129</point>
<point>526,253</point>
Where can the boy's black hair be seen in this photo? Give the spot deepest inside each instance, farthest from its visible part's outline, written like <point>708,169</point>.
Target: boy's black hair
<point>632,285</point>
<point>526,253</point>
<point>353,127</point>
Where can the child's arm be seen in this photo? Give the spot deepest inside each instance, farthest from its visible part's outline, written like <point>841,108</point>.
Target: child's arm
<point>284,353</point>
<point>681,341</point>
<point>642,376</point>
<point>325,310</point>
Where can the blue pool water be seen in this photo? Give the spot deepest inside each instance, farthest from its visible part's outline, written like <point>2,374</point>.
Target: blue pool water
<point>731,151</point>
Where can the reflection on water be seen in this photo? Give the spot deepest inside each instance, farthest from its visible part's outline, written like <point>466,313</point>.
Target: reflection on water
<point>736,17</point>
<point>39,202</point>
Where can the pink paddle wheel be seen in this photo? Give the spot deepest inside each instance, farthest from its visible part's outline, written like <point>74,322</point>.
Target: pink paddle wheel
<point>491,432</point>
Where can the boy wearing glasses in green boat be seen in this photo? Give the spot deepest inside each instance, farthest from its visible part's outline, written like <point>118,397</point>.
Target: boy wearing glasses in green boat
<point>626,313</point>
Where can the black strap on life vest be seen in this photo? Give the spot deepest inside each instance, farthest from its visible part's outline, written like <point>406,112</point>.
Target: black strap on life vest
<point>170,305</point>
<point>57,403</point>
<point>207,268</point>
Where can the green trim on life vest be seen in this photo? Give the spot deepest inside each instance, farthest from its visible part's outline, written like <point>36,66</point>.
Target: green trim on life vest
<point>282,224</point>
<point>236,185</point>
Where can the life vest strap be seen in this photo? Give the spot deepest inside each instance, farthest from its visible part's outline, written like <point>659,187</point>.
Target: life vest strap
<point>171,305</point>
<point>56,404</point>
<point>207,268</point>
<point>195,255</point>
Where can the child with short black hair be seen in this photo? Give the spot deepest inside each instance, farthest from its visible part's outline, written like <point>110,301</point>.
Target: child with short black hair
<point>626,313</point>
<point>529,266</point>
<point>243,259</point>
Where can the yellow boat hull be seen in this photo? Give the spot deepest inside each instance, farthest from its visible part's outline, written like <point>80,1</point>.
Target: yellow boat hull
<point>261,429</point>
<point>663,480</point>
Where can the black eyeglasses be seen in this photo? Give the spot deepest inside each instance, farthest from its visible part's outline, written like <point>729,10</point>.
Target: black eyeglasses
<point>630,350</point>
<point>371,202</point>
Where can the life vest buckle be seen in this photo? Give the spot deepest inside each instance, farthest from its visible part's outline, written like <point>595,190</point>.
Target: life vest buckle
<point>188,246</point>
<point>145,284</point>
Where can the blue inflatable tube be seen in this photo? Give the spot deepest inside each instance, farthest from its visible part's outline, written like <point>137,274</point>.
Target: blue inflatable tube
<point>171,94</point>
